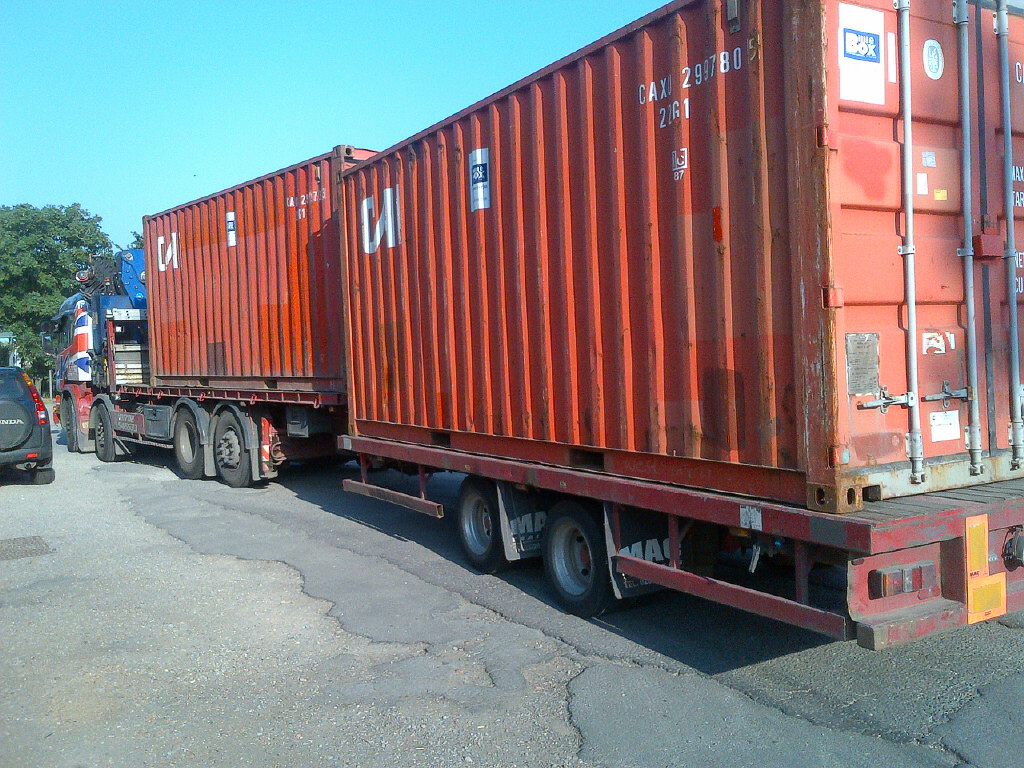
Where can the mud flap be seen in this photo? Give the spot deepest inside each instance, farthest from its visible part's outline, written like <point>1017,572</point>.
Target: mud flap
<point>640,537</point>
<point>522,522</point>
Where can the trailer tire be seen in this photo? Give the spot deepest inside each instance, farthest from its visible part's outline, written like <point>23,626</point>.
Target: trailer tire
<point>188,445</point>
<point>104,435</point>
<point>69,419</point>
<point>229,452</point>
<point>576,560</point>
<point>479,525</point>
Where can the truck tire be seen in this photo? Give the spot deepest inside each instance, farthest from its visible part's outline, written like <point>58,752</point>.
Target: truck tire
<point>188,445</point>
<point>576,560</point>
<point>230,453</point>
<point>104,435</point>
<point>479,525</point>
<point>69,419</point>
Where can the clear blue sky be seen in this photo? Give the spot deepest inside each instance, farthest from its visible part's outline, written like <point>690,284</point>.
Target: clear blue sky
<point>130,108</point>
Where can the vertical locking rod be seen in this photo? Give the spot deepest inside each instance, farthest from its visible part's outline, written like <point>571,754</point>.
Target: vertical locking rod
<point>909,250</point>
<point>961,17</point>
<point>1016,424</point>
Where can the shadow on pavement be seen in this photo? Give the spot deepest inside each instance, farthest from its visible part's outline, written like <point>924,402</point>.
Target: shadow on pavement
<point>700,634</point>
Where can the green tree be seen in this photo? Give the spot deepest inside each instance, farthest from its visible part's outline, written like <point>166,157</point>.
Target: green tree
<point>138,241</point>
<point>40,251</point>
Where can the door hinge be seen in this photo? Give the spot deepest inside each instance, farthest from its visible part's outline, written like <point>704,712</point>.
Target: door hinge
<point>832,297</point>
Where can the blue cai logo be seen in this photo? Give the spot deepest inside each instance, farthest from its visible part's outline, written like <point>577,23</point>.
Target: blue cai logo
<point>863,46</point>
<point>478,173</point>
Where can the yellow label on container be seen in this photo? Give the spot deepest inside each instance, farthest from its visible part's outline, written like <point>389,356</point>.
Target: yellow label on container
<point>941,195</point>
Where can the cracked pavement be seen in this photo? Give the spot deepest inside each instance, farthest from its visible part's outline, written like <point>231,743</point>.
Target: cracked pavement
<point>183,623</point>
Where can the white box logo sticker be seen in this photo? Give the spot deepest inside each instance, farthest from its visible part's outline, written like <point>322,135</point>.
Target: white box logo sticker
<point>862,68</point>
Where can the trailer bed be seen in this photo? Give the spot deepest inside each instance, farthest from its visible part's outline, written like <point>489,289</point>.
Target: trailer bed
<point>922,541</point>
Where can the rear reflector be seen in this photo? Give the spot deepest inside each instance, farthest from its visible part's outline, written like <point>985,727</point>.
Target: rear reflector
<point>986,598</point>
<point>977,546</point>
<point>902,579</point>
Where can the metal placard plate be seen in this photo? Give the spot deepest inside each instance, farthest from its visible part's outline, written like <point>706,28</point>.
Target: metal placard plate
<point>862,363</point>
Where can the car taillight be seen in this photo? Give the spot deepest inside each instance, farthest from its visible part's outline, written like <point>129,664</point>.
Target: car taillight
<point>41,416</point>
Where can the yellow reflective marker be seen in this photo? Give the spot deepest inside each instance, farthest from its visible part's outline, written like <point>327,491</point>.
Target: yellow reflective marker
<point>986,598</point>
<point>977,546</point>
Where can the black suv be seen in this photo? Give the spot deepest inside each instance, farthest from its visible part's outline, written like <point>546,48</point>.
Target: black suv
<point>24,427</point>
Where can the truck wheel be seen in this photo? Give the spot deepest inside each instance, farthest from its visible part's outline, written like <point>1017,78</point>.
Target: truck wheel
<point>188,447</point>
<point>575,560</point>
<point>104,435</point>
<point>69,418</point>
<point>479,525</point>
<point>230,453</point>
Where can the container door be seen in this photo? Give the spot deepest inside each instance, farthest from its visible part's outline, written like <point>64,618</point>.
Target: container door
<point>927,360</point>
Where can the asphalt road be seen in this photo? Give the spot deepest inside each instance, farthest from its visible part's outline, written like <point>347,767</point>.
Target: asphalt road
<point>155,621</point>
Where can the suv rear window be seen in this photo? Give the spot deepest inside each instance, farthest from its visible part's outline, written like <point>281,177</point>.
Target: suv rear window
<point>12,385</point>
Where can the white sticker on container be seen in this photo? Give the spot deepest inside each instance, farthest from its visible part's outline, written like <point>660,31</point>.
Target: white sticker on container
<point>750,519</point>
<point>928,160</point>
<point>891,45</point>
<point>945,426</point>
<point>861,56</point>
<point>479,179</point>
<point>232,231</point>
<point>922,183</point>
<point>934,59</point>
<point>933,342</point>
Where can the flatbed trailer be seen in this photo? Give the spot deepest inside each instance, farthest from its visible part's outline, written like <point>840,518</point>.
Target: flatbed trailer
<point>913,565</point>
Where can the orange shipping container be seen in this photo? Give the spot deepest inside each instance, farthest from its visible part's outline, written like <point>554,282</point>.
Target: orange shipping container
<point>707,250</point>
<point>244,285</point>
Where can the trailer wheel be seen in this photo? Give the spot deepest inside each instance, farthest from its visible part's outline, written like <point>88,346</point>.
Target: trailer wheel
<point>575,560</point>
<point>230,453</point>
<point>104,435</point>
<point>479,526</point>
<point>68,417</point>
<point>188,446</point>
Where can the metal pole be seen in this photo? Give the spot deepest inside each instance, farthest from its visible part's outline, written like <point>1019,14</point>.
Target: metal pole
<point>909,250</point>
<point>962,18</point>
<point>1017,425</point>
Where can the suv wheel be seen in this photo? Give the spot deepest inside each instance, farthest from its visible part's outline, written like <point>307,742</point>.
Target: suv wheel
<point>43,476</point>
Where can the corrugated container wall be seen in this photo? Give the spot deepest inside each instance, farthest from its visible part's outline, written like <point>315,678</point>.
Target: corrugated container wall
<point>245,285</point>
<point>676,255</point>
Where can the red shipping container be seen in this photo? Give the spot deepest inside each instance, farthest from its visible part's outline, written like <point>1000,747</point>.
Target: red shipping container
<point>245,285</point>
<point>679,254</point>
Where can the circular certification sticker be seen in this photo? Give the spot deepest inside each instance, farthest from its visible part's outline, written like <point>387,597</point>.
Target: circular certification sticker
<point>934,60</point>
